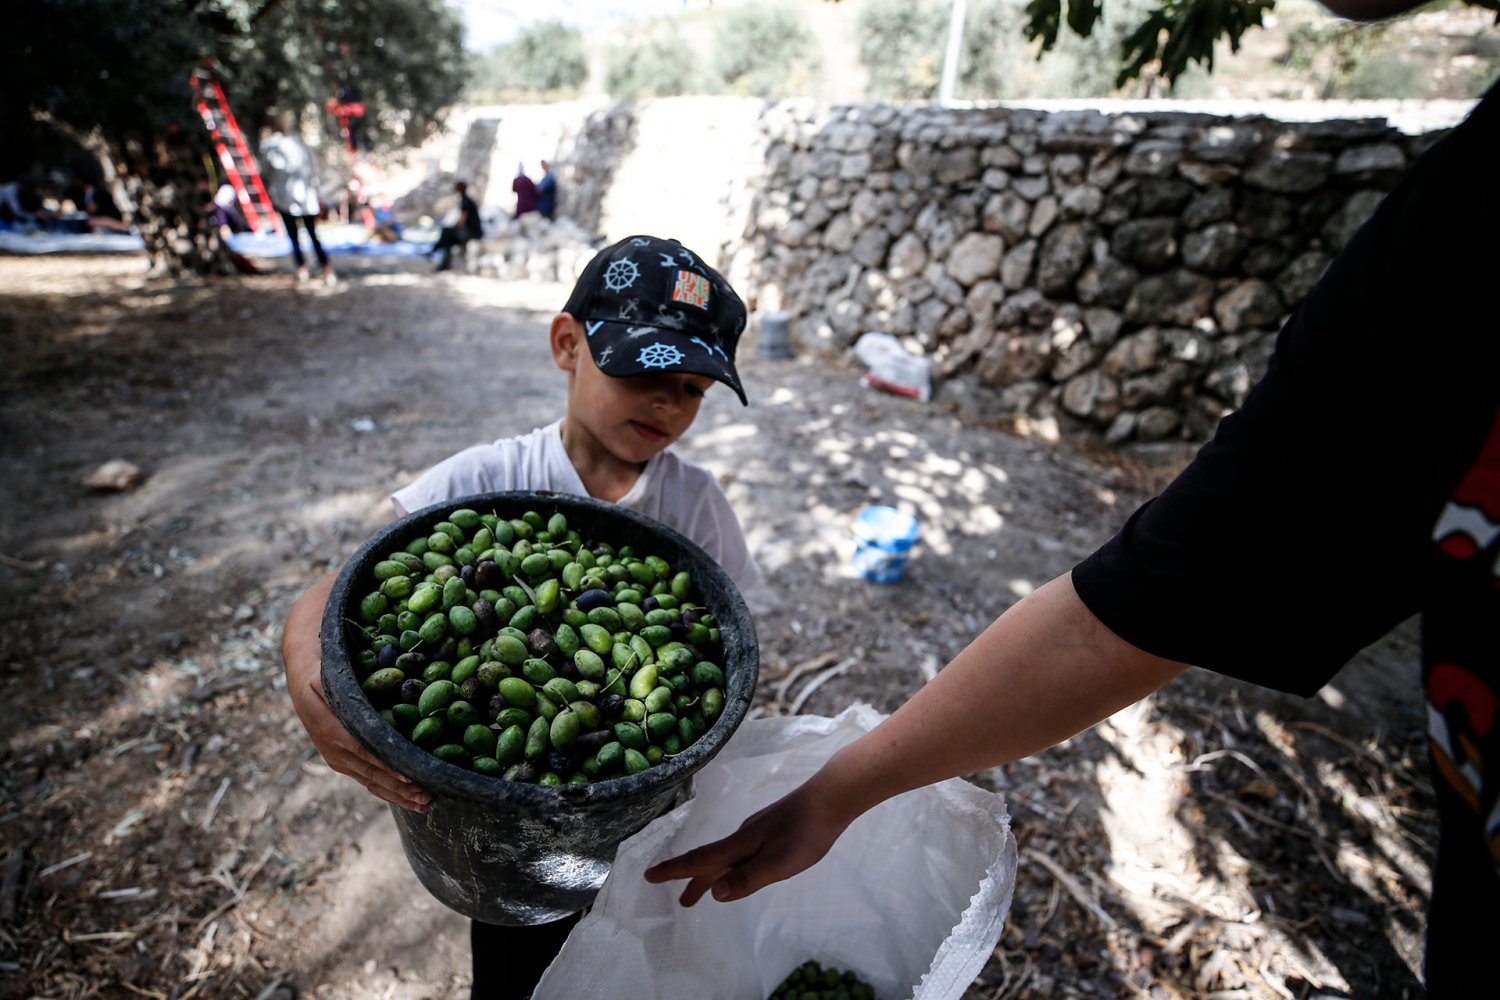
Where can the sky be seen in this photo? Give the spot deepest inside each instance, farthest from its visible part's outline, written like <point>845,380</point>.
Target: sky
<point>489,23</point>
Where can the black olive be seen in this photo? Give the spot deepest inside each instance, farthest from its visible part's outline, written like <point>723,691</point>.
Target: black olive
<point>591,599</point>
<point>592,742</point>
<point>542,645</point>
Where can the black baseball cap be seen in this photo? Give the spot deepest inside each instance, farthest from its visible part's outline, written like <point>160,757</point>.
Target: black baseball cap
<point>650,305</point>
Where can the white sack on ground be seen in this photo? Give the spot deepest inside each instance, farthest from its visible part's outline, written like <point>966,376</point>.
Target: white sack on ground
<point>912,898</point>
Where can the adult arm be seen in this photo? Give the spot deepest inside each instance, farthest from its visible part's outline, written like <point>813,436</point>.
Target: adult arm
<point>301,655</point>
<point>1045,670</point>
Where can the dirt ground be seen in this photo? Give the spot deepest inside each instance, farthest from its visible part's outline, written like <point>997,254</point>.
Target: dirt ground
<point>169,832</point>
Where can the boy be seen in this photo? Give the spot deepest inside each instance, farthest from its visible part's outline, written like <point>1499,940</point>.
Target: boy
<point>646,332</point>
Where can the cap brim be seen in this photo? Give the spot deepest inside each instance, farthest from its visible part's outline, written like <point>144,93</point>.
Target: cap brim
<point>623,350</point>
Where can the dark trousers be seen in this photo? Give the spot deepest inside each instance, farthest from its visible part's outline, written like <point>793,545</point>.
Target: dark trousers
<point>508,961</point>
<point>310,223</point>
<point>450,237</point>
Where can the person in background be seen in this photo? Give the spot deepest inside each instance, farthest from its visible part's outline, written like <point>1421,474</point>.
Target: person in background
<point>1359,485</point>
<point>224,215</point>
<point>292,182</point>
<point>387,226</point>
<point>525,190</point>
<point>546,192</point>
<point>465,228</point>
<point>104,215</point>
<point>20,206</point>
<point>226,212</point>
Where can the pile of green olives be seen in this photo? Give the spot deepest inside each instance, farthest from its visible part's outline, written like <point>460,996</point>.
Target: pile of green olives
<point>814,981</point>
<point>516,648</point>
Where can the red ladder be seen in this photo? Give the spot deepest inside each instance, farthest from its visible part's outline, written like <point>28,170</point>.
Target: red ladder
<point>235,157</point>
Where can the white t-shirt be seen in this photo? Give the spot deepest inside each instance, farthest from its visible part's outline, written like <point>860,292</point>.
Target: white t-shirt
<point>672,490</point>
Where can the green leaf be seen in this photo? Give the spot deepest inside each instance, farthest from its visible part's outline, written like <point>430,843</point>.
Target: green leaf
<point>1043,18</point>
<point>1082,14</point>
<point>1182,32</point>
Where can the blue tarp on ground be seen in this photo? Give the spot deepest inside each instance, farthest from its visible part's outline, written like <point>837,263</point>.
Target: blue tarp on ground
<point>337,240</point>
<point>12,241</point>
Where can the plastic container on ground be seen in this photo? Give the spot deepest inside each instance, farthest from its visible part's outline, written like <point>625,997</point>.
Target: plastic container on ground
<point>510,853</point>
<point>773,338</point>
<point>883,539</point>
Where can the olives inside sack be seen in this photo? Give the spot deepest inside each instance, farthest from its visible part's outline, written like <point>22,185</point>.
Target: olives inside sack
<point>813,981</point>
<point>528,651</point>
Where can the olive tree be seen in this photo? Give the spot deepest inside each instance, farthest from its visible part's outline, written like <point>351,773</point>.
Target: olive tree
<point>114,76</point>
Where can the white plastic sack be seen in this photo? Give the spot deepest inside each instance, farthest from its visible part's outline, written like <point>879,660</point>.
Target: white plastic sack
<point>912,897</point>
<point>894,368</point>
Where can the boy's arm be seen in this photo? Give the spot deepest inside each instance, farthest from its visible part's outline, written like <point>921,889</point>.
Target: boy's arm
<point>1043,671</point>
<point>301,654</point>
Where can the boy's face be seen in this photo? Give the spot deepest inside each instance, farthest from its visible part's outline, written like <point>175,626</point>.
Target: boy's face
<point>630,418</point>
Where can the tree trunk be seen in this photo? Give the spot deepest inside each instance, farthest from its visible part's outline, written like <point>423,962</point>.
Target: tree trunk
<point>162,192</point>
<point>167,187</point>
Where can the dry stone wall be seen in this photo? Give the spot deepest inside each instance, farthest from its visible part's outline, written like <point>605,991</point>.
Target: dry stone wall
<point>1121,274</point>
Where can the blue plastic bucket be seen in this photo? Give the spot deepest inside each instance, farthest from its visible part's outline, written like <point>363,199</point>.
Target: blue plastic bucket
<point>883,537</point>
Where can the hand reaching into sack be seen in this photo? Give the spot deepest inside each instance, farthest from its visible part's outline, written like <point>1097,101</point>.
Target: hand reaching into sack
<point>787,837</point>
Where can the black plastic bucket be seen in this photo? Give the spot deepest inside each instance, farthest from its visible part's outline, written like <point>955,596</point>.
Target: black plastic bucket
<point>505,852</point>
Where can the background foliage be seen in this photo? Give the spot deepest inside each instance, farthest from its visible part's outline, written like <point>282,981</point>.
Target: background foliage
<point>1015,49</point>
<point>764,51</point>
<point>546,61</point>
<point>902,46</point>
<point>651,61</point>
<point>121,66</point>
